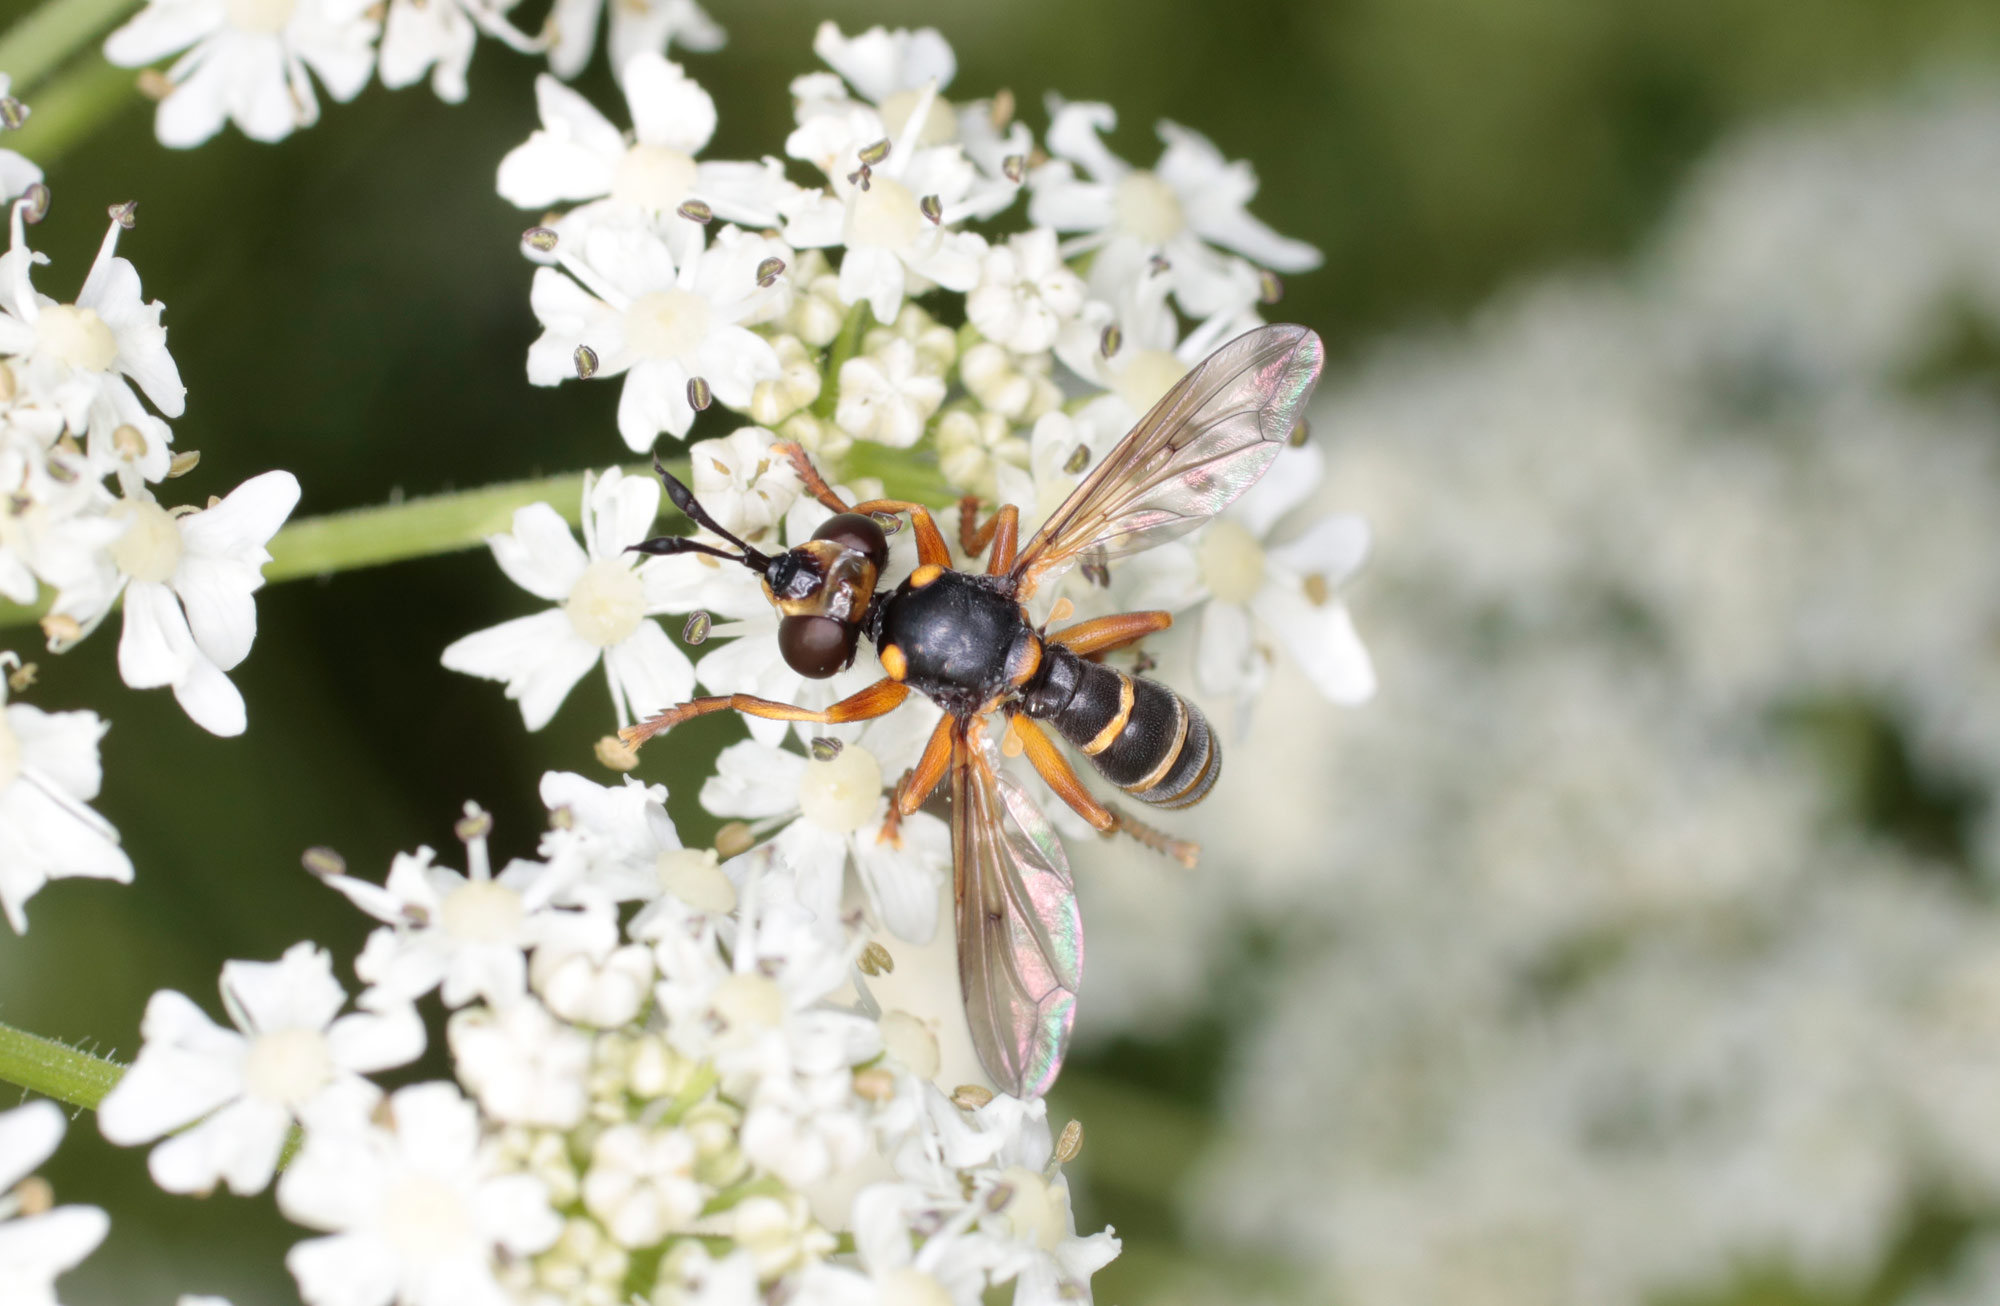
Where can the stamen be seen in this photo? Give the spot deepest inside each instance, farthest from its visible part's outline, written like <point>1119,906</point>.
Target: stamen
<point>1269,288</point>
<point>769,271</point>
<point>1109,342</point>
<point>323,862</point>
<point>36,199</point>
<point>699,395</point>
<point>1078,460</point>
<point>875,960</point>
<point>540,239</point>
<point>1002,111</point>
<point>22,677</point>
<point>586,362</point>
<point>1300,434</point>
<point>734,839</point>
<point>931,207</point>
<point>154,84</point>
<point>1070,1143</point>
<point>12,113</point>
<point>1015,167</point>
<point>184,462</point>
<point>614,754</point>
<point>970,1097</point>
<point>697,628</point>
<point>125,215</point>
<point>825,748</point>
<point>871,155</point>
<point>696,211</point>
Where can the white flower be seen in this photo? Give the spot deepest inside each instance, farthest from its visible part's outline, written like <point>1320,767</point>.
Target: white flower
<point>439,35</point>
<point>878,211</point>
<point>524,1066</point>
<point>579,155</point>
<point>187,581</point>
<point>841,807</point>
<point>37,1246</point>
<point>77,358</point>
<point>605,596</point>
<point>637,27</point>
<point>891,69</point>
<point>641,1183</point>
<point>1029,1221</point>
<point>249,62</point>
<point>417,1212</point>
<point>1288,589</point>
<point>290,1057</point>
<point>742,484</point>
<point>467,933</point>
<point>1025,292</point>
<point>887,395</point>
<point>49,772</point>
<point>606,843</point>
<point>658,319</point>
<point>1191,196</point>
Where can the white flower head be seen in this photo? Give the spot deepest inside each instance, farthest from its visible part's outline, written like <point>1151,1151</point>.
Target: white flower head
<point>1247,585</point>
<point>891,69</point>
<point>49,772</point>
<point>1025,292</point>
<point>248,62</point>
<point>1190,200</point>
<point>37,1246</point>
<point>746,488</point>
<point>187,579</point>
<point>524,1066</point>
<point>641,1183</point>
<point>81,359</point>
<point>661,314</point>
<point>467,935</point>
<point>888,394</point>
<point>606,597</point>
<point>606,843</point>
<point>637,27</point>
<point>417,1212</point>
<point>224,1099</point>
<point>577,155</point>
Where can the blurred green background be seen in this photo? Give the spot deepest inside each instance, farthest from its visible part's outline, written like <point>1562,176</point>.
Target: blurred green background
<point>350,305</point>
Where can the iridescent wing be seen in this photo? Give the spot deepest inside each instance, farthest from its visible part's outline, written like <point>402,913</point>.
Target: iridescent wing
<point>1203,444</point>
<point>1020,936</point>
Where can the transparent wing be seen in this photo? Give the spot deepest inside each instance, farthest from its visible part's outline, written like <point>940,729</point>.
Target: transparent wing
<point>1204,443</point>
<point>1020,936</point>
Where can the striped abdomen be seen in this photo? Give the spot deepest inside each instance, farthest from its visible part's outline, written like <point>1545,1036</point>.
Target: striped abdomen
<point>1140,735</point>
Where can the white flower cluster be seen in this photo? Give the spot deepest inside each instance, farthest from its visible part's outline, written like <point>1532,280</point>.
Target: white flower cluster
<point>81,525</point>
<point>678,1081</point>
<point>254,62</point>
<point>1594,985</point>
<point>756,316</point>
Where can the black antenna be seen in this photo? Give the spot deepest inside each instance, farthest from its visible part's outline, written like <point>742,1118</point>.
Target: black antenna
<point>684,500</point>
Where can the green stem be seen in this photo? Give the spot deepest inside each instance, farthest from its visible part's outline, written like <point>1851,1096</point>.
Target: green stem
<point>845,346</point>
<point>43,41</point>
<point>42,1065</point>
<point>68,109</point>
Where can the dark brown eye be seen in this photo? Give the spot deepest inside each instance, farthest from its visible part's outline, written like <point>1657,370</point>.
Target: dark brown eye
<point>853,531</point>
<point>816,647</point>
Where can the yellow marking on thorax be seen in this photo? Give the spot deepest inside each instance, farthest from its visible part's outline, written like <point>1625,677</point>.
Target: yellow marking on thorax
<point>894,662</point>
<point>1106,736</point>
<point>1030,662</point>
<point>924,575</point>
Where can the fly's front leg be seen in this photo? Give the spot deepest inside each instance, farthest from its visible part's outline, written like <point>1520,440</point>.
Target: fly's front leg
<point>879,699</point>
<point>1097,637</point>
<point>932,547</point>
<point>815,484</point>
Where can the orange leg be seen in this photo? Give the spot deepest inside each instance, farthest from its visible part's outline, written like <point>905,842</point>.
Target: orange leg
<point>1102,635</point>
<point>972,537</point>
<point>815,484</point>
<point>1056,771</point>
<point>932,548</point>
<point>1006,531</point>
<point>919,780</point>
<point>879,699</point>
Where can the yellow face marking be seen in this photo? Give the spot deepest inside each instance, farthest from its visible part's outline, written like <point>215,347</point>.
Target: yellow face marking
<point>924,575</point>
<point>894,662</point>
<point>1117,723</point>
<point>1167,758</point>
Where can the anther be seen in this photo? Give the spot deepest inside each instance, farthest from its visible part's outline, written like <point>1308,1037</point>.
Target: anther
<point>475,824</point>
<point>128,441</point>
<point>874,1084</point>
<point>1158,265</point>
<point>1002,111</point>
<point>21,677</point>
<point>1015,167</point>
<point>872,155</point>
<point>1070,1143</point>
<point>860,177</point>
<point>125,215</point>
<point>696,211</point>
<point>998,1196</point>
<point>61,630</point>
<point>1300,434</point>
<point>875,960</point>
<point>214,501</point>
<point>33,1196</point>
<point>586,362</point>
<point>614,754</point>
<point>931,207</point>
<point>323,862</point>
<point>542,240</point>
<point>61,472</point>
<point>38,199</point>
<point>12,113</point>
<point>1315,588</point>
<point>1109,342</point>
<point>696,629</point>
<point>184,462</point>
<point>1269,288</point>
<point>1078,460</point>
<point>154,84</point>
<point>699,395</point>
<point>769,271</point>
<point>734,839</point>
<point>970,1097</point>
<point>825,748</point>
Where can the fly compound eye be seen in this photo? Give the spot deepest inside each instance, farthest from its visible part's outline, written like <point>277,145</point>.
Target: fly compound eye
<point>816,647</point>
<point>852,530</point>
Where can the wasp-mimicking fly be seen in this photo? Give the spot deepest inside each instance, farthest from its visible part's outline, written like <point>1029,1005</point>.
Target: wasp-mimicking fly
<point>967,642</point>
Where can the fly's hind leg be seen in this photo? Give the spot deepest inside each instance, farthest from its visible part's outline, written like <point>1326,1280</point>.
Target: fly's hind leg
<point>1060,776</point>
<point>1095,638</point>
<point>919,780</point>
<point>879,699</point>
